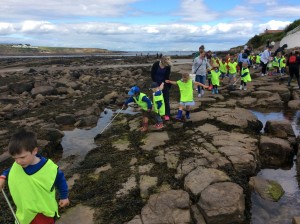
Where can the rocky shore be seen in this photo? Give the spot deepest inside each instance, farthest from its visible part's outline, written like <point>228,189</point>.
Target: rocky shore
<point>199,171</point>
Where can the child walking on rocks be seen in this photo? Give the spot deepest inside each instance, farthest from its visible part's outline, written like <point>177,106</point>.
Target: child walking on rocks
<point>245,76</point>
<point>32,181</point>
<point>143,102</point>
<point>186,86</point>
<point>158,104</point>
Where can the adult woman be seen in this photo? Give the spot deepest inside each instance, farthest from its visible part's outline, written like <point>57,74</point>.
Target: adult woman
<point>264,59</point>
<point>200,66</point>
<point>160,72</point>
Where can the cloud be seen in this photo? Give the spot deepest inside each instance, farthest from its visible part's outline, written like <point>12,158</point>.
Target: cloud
<point>55,9</point>
<point>195,11</point>
<point>6,28</point>
<point>274,25</point>
<point>266,2</point>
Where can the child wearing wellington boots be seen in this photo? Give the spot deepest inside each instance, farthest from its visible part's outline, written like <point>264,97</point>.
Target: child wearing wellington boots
<point>186,86</point>
<point>143,102</point>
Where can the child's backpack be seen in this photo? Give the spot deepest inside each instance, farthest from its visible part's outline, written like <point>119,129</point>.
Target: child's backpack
<point>292,59</point>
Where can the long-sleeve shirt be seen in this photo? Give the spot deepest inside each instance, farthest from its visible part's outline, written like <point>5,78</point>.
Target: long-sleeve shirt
<point>60,181</point>
<point>200,65</point>
<point>265,56</point>
<point>144,99</point>
<point>159,74</point>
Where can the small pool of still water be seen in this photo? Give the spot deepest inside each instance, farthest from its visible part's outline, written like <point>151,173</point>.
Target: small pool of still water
<point>283,211</point>
<point>81,141</point>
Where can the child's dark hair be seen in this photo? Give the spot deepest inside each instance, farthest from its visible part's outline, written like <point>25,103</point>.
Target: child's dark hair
<point>22,140</point>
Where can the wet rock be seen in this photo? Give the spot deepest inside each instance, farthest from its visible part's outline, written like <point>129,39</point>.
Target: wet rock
<point>167,207</point>
<point>197,216</point>
<point>280,129</point>
<point>43,90</point>
<point>136,220</point>
<point>197,180</point>
<point>261,94</point>
<point>51,134</point>
<point>78,214</point>
<point>154,139</point>
<point>275,151</point>
<point>65,119</point>
<point>9,99</point>
<point>222,203</point>
<point>283,91</point>
<point>273,101</point>
<point>88,121</point>
<point>267,189</point>
<point>237,117</point>
<point>294,104</point>
<point>241,158</point>
<point>20,87</point>
<point>146,182</point>
<point>129,185</point>
<point>296,220</point>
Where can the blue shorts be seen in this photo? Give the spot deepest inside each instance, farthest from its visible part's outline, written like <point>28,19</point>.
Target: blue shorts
<point>192,103</point>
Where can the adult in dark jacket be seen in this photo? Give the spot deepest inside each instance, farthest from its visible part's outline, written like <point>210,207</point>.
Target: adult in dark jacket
<point>294,67</point>
<point>280,49</point>
<point>160,72</point>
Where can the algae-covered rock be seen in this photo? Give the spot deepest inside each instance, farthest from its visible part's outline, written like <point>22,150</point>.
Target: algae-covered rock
<point>267,189</point>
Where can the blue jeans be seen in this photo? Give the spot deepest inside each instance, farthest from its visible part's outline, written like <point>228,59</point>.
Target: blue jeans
<point>201,79</point>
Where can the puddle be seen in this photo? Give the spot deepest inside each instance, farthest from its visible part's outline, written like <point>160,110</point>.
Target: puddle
<point>286,208</point>
<point>81,141</point>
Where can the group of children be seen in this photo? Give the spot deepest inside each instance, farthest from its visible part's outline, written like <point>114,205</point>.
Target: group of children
<point>33,173</point>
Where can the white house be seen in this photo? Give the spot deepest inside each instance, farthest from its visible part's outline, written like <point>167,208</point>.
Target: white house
<point>292,38</point>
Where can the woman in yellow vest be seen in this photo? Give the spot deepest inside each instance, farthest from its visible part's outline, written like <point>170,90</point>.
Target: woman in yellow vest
<point>186,86</point>
<point>245,76</point>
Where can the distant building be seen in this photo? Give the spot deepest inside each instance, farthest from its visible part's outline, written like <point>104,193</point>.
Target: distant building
<point>272,31</point>
<point>292,38</point>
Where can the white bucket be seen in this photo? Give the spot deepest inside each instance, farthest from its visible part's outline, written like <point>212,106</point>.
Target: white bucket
<point>193,77</point>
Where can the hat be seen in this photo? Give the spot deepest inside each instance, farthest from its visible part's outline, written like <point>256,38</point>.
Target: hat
<point>154,85</point>
<point>201,47</point>
<point>134,90</point>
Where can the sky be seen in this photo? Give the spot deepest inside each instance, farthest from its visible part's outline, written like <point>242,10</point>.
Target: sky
<point>142,25</point>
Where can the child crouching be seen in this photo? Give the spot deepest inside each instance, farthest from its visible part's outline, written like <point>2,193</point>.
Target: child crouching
<point>186,86</point>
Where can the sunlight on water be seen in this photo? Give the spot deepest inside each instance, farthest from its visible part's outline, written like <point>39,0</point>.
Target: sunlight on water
<point>283,211</point>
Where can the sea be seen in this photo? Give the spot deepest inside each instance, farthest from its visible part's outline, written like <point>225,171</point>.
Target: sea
<point>110,54</point>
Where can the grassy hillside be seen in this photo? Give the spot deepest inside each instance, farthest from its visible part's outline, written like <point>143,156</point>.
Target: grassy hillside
<point>27,50</point>
<point>259,40</point>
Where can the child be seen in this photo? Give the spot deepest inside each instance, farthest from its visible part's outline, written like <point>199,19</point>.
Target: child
<point>158,104</point>
<point>32,180</point>
<point>223,68</point>
<point>245,76</point>
<point>143,102</point>
<point>215,78</point>
<point>282,65</point>
<point>186,94</point>
<point>232,70</point>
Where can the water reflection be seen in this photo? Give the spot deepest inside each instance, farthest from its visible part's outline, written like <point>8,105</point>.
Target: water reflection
<point>81,141</point>
<point>286,208</point>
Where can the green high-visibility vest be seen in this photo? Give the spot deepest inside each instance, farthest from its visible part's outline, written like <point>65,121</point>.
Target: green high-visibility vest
<point>138,101</point>
<point>33,194</point>
<point>215,77</point>
<point>162,109</point>
<point>246,78</point>
<point>186,90</point>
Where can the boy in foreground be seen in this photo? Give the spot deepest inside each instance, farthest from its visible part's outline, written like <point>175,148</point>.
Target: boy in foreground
<point>32,180</point>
